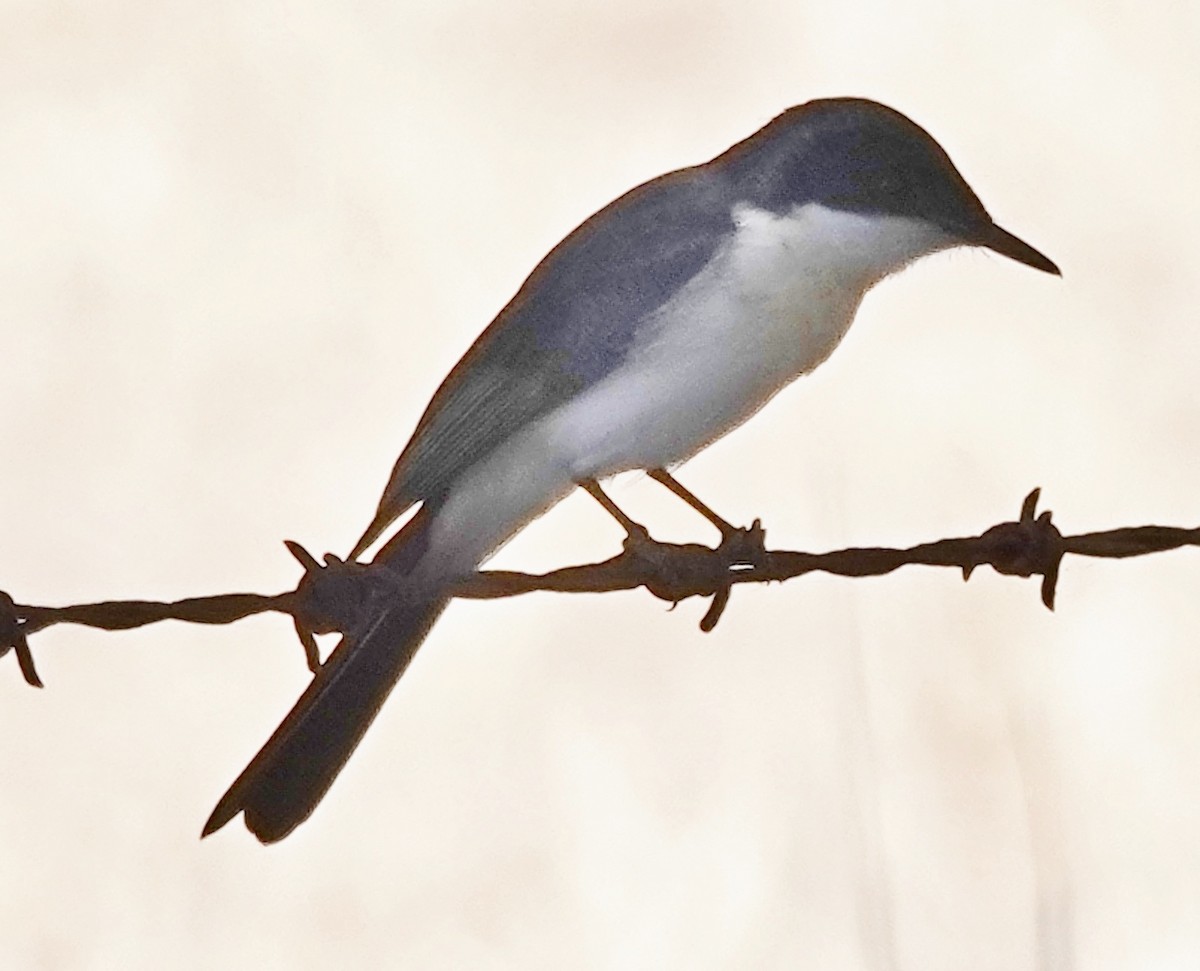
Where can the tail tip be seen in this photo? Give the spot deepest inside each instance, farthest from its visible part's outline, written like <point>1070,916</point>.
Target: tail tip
<point>222,814</point>
<point>264,829</point>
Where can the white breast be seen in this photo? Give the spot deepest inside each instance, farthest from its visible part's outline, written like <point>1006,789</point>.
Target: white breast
<point>771,306</point>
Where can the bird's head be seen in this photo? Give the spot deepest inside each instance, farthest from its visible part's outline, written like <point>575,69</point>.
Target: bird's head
<point>861,157</point>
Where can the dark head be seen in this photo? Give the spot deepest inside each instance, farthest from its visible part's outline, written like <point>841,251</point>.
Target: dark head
<point>862,157</point>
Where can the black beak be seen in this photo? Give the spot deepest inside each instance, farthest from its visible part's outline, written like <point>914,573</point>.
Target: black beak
<point>1006,244</point>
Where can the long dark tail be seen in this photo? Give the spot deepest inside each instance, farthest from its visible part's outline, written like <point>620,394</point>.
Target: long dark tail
<point>286,780</point>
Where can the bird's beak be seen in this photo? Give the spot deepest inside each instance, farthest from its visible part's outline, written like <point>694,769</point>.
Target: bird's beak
<point>1006,244</point>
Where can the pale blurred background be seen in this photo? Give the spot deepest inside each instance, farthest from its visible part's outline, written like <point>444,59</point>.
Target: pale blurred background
<point>240,245</point>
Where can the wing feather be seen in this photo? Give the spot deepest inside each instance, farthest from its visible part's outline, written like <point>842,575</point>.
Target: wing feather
<point>571,324</point>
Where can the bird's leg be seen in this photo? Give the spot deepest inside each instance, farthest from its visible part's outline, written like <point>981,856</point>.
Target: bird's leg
<point>738,545</point>
<point>668,577</point>
<point>663,477</point>
<point>634,532</point>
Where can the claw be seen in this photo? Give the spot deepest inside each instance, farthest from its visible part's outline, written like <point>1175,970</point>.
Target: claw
<point>745,547</point>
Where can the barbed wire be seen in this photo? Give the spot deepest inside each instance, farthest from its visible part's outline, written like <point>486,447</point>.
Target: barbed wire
<point>334,595</point>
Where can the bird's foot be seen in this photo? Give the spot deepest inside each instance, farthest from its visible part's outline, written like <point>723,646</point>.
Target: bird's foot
<point>745,546</point>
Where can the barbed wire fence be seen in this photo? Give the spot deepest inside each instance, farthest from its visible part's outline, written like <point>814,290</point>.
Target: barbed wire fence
<point>334,595</point>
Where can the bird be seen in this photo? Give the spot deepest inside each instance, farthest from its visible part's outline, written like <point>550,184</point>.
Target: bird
<point>662,322</point>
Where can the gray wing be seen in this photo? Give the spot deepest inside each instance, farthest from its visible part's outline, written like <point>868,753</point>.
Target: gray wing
<point>572,323</point>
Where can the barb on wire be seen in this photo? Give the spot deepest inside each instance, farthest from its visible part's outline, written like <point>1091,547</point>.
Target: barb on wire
<point>335,595</point>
